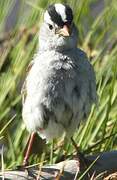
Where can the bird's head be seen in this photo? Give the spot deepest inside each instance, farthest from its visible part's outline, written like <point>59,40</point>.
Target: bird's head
<point>58,30</point>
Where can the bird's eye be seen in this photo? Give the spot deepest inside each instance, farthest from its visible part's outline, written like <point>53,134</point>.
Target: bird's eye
<point>50,26</point>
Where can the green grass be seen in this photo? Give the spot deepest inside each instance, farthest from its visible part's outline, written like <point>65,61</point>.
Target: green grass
<point>97,36</point>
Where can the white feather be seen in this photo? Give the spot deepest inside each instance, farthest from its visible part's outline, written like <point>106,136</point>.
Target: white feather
<point>60,9</point>
<point>47,18</point>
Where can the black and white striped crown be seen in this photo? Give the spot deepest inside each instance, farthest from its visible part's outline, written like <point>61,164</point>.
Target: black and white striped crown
<point>58,14</point>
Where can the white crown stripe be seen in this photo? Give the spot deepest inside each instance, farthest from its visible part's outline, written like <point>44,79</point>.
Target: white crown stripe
<point>47,18</point>
<point>60,9</point>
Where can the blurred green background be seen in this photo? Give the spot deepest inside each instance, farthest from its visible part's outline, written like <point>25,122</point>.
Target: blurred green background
<point>19,24</point>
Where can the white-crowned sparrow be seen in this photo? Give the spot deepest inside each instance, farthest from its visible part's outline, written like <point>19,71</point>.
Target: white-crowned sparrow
<point>60,87</point>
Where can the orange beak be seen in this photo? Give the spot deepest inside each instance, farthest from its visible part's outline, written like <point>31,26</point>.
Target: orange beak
<point>65,31</point>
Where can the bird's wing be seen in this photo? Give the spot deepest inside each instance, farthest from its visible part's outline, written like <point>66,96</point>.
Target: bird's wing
<point>83,87</point>
<point>24,89</point>
<point>88,72</point>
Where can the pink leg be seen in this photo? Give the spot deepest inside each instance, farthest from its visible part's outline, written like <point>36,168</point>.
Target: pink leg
<point>27,154</point>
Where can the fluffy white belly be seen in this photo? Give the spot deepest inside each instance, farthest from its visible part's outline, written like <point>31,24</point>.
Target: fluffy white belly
<point>57,96</point>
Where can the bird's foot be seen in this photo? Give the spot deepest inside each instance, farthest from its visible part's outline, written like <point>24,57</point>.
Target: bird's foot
<point>83,163</point>
<point>23,167</point>
<point>27,170</point>
<point>20,168</point>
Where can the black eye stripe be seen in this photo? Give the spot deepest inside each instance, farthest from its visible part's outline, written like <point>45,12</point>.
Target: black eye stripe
<point>57,19</point>
<point>69,14</point>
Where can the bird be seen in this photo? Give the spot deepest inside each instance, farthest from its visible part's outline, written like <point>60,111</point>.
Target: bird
<point>60,87</point>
